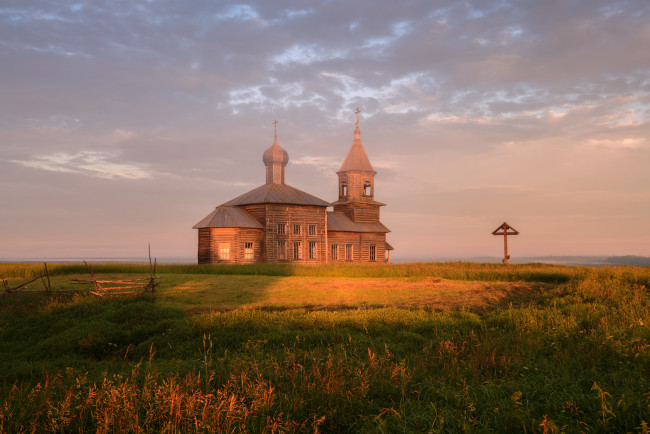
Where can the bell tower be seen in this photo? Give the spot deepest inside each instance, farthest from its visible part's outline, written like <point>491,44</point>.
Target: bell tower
<point>357,184</point>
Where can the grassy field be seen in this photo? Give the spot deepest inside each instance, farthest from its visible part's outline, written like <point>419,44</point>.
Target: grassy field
<point>402,348</point>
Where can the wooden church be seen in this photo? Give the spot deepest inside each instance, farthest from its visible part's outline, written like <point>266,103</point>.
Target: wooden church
<point>279,223</point>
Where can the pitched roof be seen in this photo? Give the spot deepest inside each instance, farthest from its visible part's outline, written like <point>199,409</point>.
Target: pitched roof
<point>228,217</point>
<point>339,222</point>
<point>356,159</point>
<point>277,193</point>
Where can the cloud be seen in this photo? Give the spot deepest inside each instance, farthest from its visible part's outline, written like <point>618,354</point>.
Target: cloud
<point>624,143</point>
<point>239,12</point>
<point>528,94</point>
<point>307,54</point>
<point>96,164</point>
<point>322,164</point>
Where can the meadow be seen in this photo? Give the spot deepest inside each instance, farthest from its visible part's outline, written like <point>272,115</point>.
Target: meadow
<point>440,347</point>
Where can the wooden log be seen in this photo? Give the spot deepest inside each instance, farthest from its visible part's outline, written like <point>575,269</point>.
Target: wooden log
<point>45,291</point>
<point>44,283</point>
<point>92,274</point>
<point>26,283</point>
<point>49,285</point>
<point>123,287</point>
<point>112,281</point>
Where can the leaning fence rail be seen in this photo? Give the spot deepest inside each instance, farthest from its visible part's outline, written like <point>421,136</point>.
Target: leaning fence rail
<point>46,283</point>
<point>97,287</point>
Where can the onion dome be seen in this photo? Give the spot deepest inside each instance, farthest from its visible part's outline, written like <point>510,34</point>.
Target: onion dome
<point>275,154</point>
<point>275,158</point>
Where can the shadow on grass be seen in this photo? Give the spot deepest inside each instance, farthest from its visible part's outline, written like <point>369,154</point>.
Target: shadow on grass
<point>48,333</point>
<point>40,333</point>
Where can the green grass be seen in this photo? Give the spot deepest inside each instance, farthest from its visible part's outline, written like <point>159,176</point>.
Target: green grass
<point>453,270</point>
<point>404,348</point>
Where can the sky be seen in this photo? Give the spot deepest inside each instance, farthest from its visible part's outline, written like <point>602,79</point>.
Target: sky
<point>124,123</point>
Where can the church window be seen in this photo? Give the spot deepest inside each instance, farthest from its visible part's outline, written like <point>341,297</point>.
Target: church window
<point>312,250</point>
<point>312,229</point>
<point>348,252</point>
<point>344,190</point>
<point>367,189</point>
<point>248,251</point>
<point>296,229</point>
<point>281,228</point>
<point>224,251</point>
<point>282,249</point>
<point>297,250</point>
<point>373,253</point>
<point>334,252</point>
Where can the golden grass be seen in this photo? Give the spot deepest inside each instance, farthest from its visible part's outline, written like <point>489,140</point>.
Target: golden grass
<point>250,292</point>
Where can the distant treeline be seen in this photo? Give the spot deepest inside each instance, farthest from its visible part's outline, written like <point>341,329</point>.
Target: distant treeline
<point>629,260</point>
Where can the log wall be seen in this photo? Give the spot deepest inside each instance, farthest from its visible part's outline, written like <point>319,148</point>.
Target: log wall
<point>355,182</point>
<point>291,215</point>
<point>210,238</point>
<point>360,242</point>
<point>265,241</point>
<point>258,212</point>
<point>359,212</point>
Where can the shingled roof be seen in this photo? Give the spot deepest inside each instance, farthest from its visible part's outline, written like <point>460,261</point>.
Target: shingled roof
<point>356,158</point>
<point>277,193</point>
<point>228,217</point>
<point>339,222</point>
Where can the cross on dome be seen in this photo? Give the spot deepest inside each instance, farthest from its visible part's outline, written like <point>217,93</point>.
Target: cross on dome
<point>275,159</point>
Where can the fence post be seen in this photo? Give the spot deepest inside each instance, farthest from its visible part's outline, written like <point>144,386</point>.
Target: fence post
<point>47,273</point>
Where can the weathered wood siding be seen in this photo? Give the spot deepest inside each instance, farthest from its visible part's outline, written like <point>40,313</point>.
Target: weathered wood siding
<point>361,243</point>
<point>210,238</point>
<point>360,212</point>
<point>205,243</point>
<point>355,182</point>
<point>257,211</point>
<point>291,215</point>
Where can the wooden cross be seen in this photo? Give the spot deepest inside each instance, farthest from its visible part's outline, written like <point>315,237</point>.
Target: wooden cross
<point>357,112</point>
<point>275,135</point>
<point>505,229</point>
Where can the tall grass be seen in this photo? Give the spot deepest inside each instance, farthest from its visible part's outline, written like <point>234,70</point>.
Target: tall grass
<point>576,359</point>
<point>450,270</point>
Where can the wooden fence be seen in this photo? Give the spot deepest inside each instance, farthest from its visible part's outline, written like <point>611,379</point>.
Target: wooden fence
<point>42,276</point>
<point>93,285</point>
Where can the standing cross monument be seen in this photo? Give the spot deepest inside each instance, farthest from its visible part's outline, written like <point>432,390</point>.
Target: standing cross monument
<point>505,229</point>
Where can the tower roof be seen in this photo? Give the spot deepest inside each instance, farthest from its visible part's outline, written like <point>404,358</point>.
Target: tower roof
<point>275,154</point>
<point>356,160</point>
